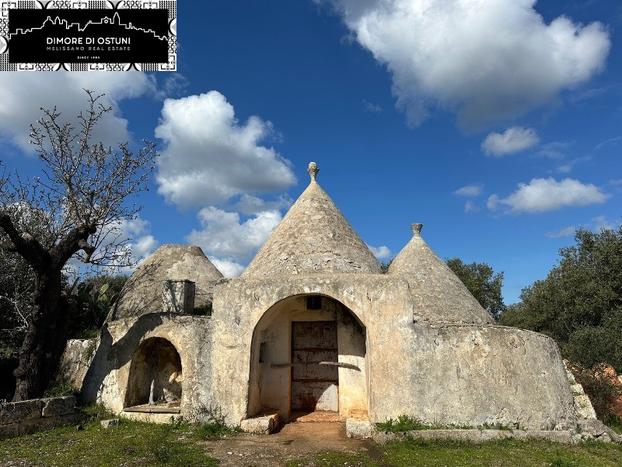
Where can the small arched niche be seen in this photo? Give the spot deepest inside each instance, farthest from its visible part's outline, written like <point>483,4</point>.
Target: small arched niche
<point>155,380</point>
<point>308,354</point>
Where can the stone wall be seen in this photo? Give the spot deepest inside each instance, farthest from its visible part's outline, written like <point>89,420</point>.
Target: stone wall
<point>477,375</point>
<point>107,380</point>
<point>76,360</point>
<point>454,374</point>
<point>31,415</point>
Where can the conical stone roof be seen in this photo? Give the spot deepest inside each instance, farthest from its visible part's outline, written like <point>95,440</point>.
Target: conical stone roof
<point>313,237</point>
<point>142,293</point>
<point>439,294</point>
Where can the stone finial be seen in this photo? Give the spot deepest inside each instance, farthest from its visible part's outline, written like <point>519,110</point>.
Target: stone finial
<point>313,170</point>
<point>417,229</point>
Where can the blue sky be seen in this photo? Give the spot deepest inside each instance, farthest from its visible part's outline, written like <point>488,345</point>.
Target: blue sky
<point>400,108</point>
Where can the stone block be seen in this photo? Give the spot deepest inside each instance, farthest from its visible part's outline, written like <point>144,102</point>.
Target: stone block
<point>58,406</point>
<point>584,408</point>
<point>178,296</point>
<point>110,423</point>
<point>14,412</point>
<point>577,389</point>
<point>263,425</point>
<point>359,429</point>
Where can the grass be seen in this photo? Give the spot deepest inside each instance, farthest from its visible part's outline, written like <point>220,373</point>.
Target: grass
<point>142,444</point>
<point>60,389</point>
<point>506,453</point>
<point>129,444</point>
<point>214,430</point>
<point>403,423</point>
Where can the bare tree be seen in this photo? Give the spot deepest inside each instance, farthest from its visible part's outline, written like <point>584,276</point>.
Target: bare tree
<point>74,210</point>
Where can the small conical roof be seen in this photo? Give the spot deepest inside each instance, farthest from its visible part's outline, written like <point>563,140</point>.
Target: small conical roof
<point>142,293</point>
<point>313,237</point>
<point>439,294</point>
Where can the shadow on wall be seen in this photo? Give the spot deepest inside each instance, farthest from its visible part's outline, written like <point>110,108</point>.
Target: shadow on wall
<point>110,357</point>
<point>131,300</point>
<point>155,374</point>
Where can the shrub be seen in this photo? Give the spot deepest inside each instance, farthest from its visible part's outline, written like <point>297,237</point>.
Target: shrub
<point>601,390</point>
<point>60,389</point>
<point>212,422</point>
<point>402,424</point>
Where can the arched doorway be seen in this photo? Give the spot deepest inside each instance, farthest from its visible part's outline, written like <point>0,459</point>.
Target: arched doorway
<point>308,354</point>
<point>155,379</point>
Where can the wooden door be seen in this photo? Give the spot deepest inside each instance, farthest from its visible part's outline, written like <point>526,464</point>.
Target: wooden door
<point>315,376</point>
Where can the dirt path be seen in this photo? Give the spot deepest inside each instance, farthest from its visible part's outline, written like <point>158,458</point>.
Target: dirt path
<point>294,441</point>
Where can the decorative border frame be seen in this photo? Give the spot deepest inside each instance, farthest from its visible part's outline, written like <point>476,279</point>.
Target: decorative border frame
<point>6,5</point>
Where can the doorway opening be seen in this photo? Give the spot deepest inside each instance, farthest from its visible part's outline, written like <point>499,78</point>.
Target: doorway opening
<point>155,380</point>
<point>308,361</point>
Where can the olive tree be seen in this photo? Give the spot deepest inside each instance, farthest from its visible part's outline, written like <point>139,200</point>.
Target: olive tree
<point>73,210</point>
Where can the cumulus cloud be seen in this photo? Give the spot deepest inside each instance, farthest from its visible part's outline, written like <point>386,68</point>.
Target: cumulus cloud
<point>469,191</point>
<point>228,268</point>
<point>249,204</point>
<point>514,139</point>
<point>547,194</point>
<point>210,157</point>
<point>130,240</point>
<point>485,60</point>
<point>23,94</point>
<point>380,252</point>
<point>141,242</point>
<point>230,241</point>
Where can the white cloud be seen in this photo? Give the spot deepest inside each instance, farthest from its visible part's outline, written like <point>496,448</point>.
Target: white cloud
<point>547,194</point>
<point>512,140</point>
<point>139,241</point>
<point>470,206</point>
<point>565,168</point>
<point>553,150</point>
<point>380,252</point>
<point>209,157</point>
<point>469,191</point>
<point>125,244</point>
<point>249,204</point>
<point>597,224</point>
<point>23,94</point>
<point>371,107</point>
<point>602,223</point>
<point>228,240</point>
<point>565,232</point>
<point>484,59</point>
<point>226,267</point>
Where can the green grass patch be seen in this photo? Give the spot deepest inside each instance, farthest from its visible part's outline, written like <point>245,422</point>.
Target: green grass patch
<point>214,430</point>
<point>402,424</point>
<point>129,444</point>
<point>60,389</point>
<point>506,453</point>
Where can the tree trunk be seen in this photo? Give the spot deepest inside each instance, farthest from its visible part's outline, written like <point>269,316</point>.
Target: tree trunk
<point>44,340</point>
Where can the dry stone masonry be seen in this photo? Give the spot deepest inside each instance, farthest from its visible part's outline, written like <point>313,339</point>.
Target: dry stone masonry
<point>313,324</point>
<point>17,418</point>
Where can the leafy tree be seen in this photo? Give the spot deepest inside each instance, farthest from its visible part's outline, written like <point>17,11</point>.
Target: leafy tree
<point>95,297</point>
<point>73,210</point>
<point>482,282</point>
<point>579,303</point>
